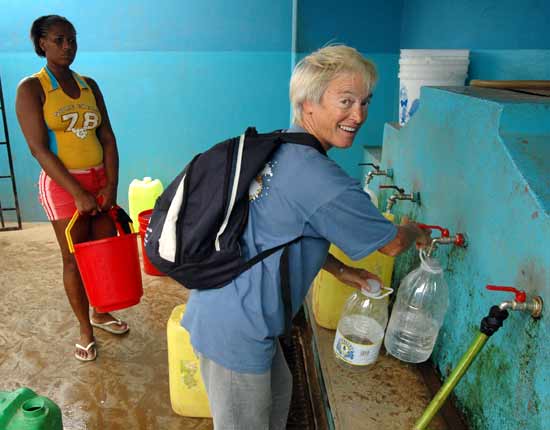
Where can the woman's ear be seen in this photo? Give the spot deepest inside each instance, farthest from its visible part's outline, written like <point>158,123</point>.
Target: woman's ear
<point>307,107</point>
<point>41,44</point>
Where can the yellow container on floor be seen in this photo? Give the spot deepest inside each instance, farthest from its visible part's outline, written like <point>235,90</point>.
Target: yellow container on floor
<point>329,294</point>
<point>187,392</point>
<point>142,195</point>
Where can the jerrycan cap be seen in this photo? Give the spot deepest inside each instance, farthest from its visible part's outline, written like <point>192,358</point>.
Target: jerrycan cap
<point>147,179</point>
<point>376,290</point>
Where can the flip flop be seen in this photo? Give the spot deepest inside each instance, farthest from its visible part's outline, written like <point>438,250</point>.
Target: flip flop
<point>107,326</point>
<point>89,356</point>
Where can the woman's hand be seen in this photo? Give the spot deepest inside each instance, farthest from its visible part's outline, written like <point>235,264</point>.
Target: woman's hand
<point>423,238</point>
<point>355,277</point>
<point>352,276</point>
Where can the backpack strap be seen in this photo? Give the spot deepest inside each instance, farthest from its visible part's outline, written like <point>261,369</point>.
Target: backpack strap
<point>284,271</point>
<point>305,139</point>
<point>264,254</point>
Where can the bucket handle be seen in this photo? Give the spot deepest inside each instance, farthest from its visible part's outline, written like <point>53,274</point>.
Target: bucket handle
<point>114,213</point>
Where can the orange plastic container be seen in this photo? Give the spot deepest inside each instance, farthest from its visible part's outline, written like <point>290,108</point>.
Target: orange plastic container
<point>148,267</point>
<point>109,269</point>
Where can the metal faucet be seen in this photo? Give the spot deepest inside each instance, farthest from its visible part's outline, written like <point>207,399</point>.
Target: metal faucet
<point>459,239</point>
<point>376,172</point>
<point>400,195</point>
<point>520,303</point>
<point>489,326</point>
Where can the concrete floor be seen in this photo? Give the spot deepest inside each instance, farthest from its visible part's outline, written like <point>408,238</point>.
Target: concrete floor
<point>126,387</point>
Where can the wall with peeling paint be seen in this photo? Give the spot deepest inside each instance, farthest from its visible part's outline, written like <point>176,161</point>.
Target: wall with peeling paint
<point>480,159</point>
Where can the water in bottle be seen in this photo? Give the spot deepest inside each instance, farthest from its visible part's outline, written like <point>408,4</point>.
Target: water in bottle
<point>418,312</point>
<point>361,327</point>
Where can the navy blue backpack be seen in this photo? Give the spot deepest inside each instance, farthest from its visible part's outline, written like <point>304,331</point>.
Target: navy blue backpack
<point>194,230</point>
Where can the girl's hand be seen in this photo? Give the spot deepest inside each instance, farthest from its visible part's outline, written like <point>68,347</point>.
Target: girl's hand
<point>86,203</point>
<point>106,198</point>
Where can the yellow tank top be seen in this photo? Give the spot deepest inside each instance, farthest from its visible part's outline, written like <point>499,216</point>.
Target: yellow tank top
<point>71,123</point>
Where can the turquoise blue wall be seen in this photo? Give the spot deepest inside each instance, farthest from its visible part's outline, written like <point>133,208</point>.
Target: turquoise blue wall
<point>508,39</point>
<point>176,78</point>
<point>480,161</point>
<point>163,25</point>
<point>180,77</point>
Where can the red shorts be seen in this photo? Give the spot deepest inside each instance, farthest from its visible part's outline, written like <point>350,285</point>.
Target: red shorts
<point>57,202</point>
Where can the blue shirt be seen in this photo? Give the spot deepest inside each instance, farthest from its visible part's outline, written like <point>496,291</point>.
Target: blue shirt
<point>300,192</point>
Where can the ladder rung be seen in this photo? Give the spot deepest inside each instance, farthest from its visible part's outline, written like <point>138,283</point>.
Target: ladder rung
<point>6,209</point>
<point>3,143</point>
<point>5,177</point>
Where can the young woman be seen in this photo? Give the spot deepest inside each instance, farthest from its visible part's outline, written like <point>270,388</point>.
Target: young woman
<point>65,123</point>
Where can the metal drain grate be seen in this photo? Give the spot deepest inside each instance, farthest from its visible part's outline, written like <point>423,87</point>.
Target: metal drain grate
<point>300,416</point>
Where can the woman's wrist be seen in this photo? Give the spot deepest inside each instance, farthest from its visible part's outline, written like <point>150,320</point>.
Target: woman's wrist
<point>341,268</point>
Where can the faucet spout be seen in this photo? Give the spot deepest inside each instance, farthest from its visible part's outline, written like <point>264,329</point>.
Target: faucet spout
<point>391,202</point>
<point>532,306</point>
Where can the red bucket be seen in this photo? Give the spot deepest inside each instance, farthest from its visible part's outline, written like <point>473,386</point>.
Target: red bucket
<point>109,269</point>
<point>148,267</point>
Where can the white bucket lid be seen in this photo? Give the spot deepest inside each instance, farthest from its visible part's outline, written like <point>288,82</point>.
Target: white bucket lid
<point>443,61</point>
<point>433,69</point>
<point>457,53</point>
<point>451,77</point>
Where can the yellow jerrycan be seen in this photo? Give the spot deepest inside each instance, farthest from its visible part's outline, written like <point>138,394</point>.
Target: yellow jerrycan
<point>329,295</point>
<point>187,393</point>
<point>142,195</point>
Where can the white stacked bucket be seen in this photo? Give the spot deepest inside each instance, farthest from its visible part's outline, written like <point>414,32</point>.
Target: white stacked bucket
<point>428,67</point>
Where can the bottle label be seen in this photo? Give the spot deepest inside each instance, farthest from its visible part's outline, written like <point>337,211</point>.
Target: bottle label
<point>357,354</point>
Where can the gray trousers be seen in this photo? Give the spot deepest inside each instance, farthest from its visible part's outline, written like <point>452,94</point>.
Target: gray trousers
<point>248,401</point>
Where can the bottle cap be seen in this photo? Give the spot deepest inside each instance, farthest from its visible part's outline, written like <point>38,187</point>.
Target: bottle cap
<point>375,288</point>
<point>147,179</point>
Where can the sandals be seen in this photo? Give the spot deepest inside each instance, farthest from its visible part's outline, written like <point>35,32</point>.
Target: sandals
<point>90,349</point>
<point>91,352</point>
<point>107,326</point>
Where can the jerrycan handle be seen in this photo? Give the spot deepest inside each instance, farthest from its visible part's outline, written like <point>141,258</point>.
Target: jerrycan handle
<point>122,221</point>
<point>386,291</point>
<point>383,293</point>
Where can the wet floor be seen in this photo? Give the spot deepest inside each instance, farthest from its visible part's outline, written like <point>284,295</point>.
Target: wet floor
<point>126,387</point>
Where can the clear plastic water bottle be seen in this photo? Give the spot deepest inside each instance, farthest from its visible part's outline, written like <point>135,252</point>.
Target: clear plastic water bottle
<point>418,312</point>
<point>361,327</point>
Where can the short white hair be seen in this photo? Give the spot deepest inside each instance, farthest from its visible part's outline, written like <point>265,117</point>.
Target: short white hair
<point>313,73</point>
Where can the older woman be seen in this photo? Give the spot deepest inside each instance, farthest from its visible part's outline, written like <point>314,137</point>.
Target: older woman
<point>302,193</point>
